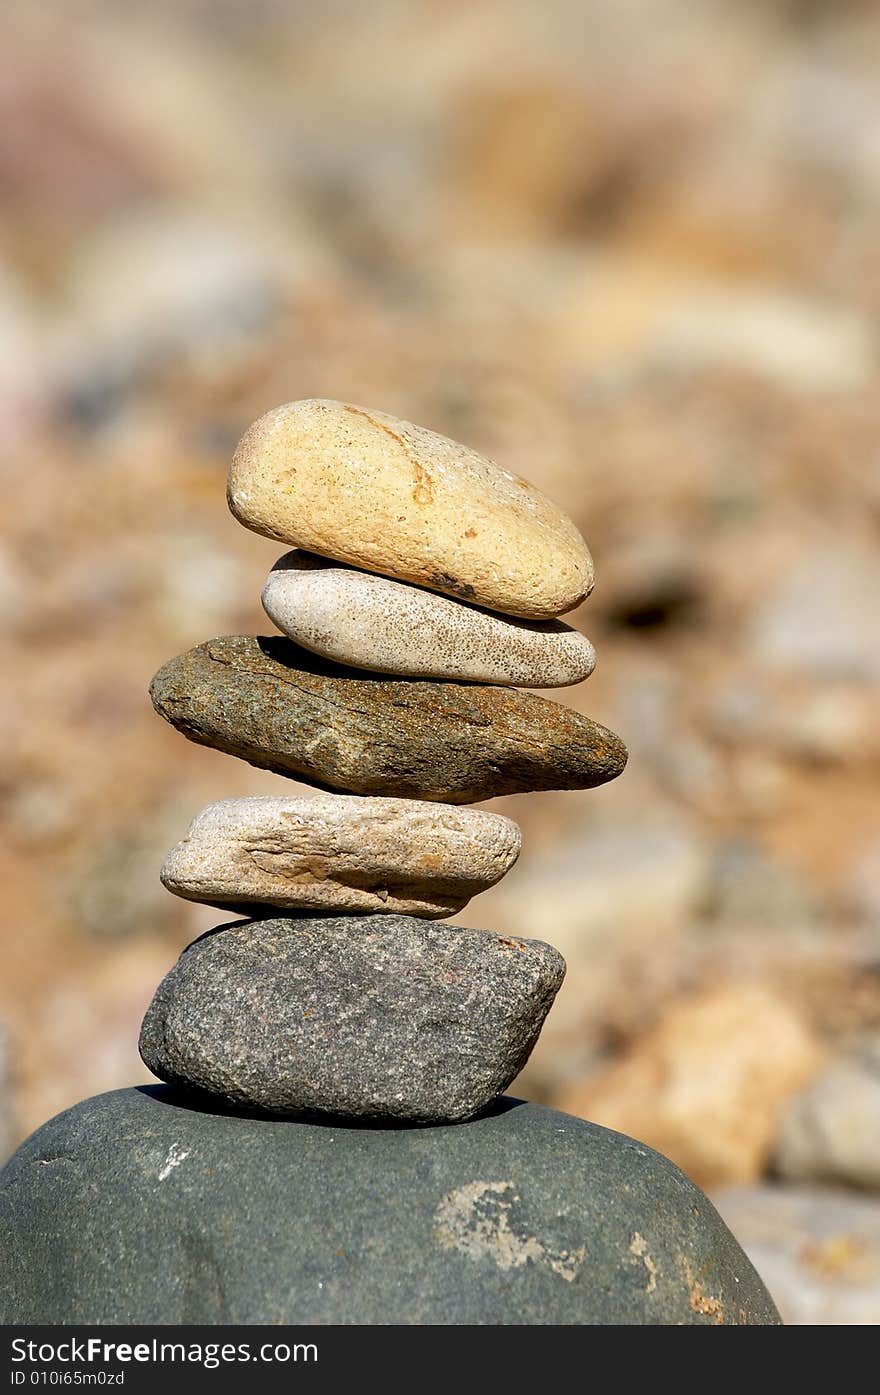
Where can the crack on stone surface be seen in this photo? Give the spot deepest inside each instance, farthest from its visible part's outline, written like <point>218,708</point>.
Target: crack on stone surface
<point>379,425</point>
<point>203,1282</point>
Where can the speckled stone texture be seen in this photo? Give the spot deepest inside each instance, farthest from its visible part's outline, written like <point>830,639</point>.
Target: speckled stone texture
<point>353,617</point>
<point>393,498</point>
<point>340,852</point>
<point>132,1208</point>
<point>284,709</point>
<point>363,1016</point>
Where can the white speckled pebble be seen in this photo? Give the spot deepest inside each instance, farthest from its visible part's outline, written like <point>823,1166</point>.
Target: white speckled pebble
<point>390,497</point>
<point>345,853</point>
<point>387,626</point>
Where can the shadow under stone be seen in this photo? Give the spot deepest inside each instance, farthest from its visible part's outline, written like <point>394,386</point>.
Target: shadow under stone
<point>291,655</point>
<point>200,1102</point>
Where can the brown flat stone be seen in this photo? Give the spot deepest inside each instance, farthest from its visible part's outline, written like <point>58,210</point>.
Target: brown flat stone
<point>284,709</point>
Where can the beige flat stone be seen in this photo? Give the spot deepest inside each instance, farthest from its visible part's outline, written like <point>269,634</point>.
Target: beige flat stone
<point>367,621</point>
<point>335,852</point>
<point>390,497</point>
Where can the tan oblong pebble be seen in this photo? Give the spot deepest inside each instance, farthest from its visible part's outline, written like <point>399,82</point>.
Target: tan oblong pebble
<point>390,497</point>
<point>334,852</point>
<point>369,622</point>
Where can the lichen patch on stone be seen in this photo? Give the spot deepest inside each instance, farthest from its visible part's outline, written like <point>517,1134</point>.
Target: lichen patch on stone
<point>174,1157</point>
<point>700,1301</point>
<point>639,1249</point>
<point>475,1220</point>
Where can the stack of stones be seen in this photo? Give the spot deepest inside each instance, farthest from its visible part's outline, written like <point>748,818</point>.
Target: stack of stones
<point>287,1182</point>
<point>426,582</point>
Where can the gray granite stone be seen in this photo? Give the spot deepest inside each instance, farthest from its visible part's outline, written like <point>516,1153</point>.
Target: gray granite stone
<point>133,1208</point>
<point>383,1016</point>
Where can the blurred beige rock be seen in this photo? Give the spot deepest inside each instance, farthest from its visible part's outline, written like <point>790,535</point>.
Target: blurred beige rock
<point>831,1133</point>
<point>635,311</point>
<point>798,342</point>
<point>370,622</point>
<point>334,852</point>
<point>365,488</point>
<point>708,1084</point>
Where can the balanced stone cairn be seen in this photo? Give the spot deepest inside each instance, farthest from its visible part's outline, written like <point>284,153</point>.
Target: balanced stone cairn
<point>281,1175</point>
<point>425,583</point>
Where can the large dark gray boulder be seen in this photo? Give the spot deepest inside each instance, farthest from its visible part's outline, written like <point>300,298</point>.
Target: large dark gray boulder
<point>134,1207</point>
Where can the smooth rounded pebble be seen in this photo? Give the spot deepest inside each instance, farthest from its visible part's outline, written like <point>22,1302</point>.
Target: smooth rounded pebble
<point>370,622</point>
<point>387,1017</point>
<point>283,709</point>
<point>393,498</point>
<point>335,852</point>
<point>134,1208</point>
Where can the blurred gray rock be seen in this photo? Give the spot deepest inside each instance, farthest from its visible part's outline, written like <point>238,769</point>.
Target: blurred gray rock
<point>116,892</point>
<point>863,891</point>
<point>818,1251</point>
<point>819,724</point>
<point>151,290</point>
<point>831,1133</point>
<point>615,898</point>
<point>820,619</point>
<point>750,888</point>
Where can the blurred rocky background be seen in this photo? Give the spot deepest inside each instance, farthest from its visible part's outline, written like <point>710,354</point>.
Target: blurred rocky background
<point>631,250</point>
